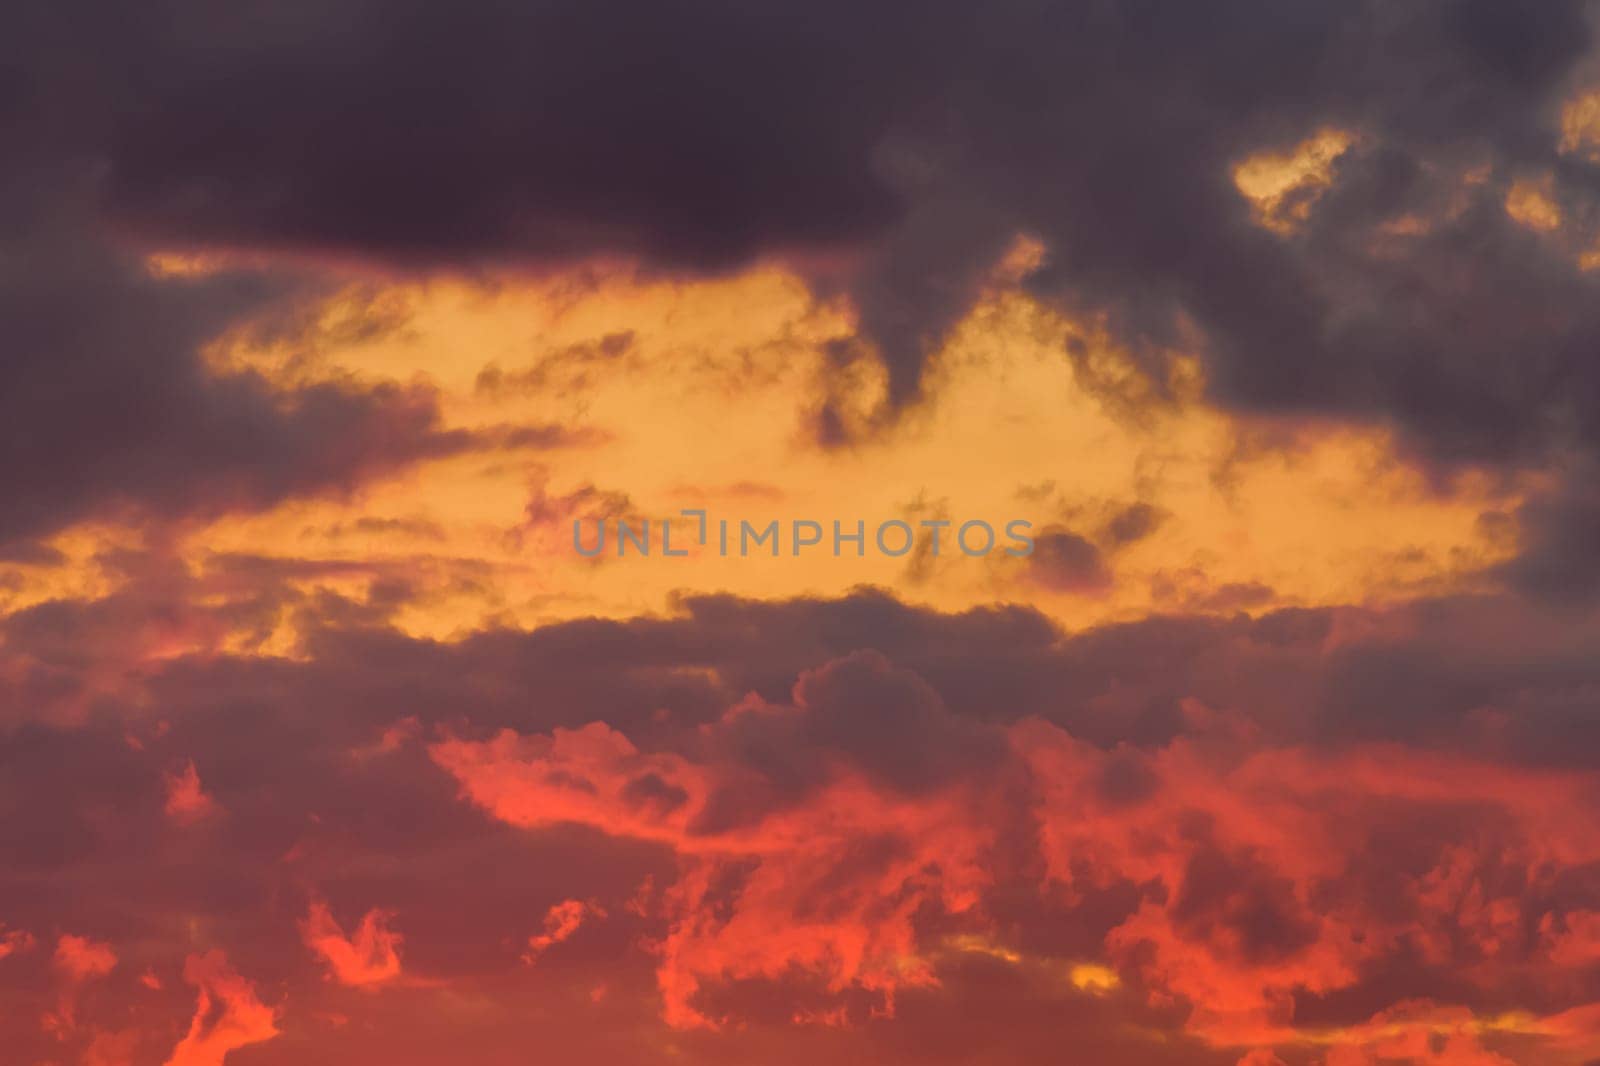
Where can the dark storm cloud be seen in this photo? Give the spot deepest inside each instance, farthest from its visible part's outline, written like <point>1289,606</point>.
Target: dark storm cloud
<point>922,139</point>
<point>1560,561</point>
<point>700,135</point>
<point>1486,677</point>
<point>860,708</point>
<point>691,134</point>
<point>107,409</point>
<point>1236,900</point>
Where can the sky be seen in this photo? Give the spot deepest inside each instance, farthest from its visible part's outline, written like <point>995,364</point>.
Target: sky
<point>335,333</point>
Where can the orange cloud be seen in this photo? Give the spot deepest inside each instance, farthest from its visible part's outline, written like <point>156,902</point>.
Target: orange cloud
<point>1423,1033</point>
<point>830,888</point>
<point>370,957</point>
<point>227,1015</point>
<point>1257,851</point>
<point>14,940</point>
<point>1256,863</point>
<point>116,1048</point>
<point>560,922</point>
<point>187,801</point>
<point>80,959</point>
<point>1260,1057</point>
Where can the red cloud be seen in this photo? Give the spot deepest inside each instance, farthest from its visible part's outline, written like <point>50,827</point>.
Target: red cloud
<point>1256,868</point>
<point>79,959</point>
<point>370,957</point>
<point>1260,1057</point>
<point>14,940</point>
<point>830,887</point>
<point>1262,855</point>
<point>227,1013</point>
<point>560,922</point>
<point>112,1048</point>
<point>187,801</point>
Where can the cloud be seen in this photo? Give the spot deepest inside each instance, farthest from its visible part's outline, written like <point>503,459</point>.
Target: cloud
<point>815,828</point>
<point>1133,523</point>
<point>187,801</point>
<point>1261,1057</point>
<point>112,1048</point>
<point>112,407</point>
<point>369,957</point>
<point>1255,887</point>
<point>560,922</point>
<point>13,941</point>
<point>1421,1032</point>
<point>922,157</point>
<point>1252,832</point>
<point>826,870</point>
<point>1559,529</point>
<point>1393,226</point>
<point>80,959</point>
<point>77,961</point>
<point>227,1016</point>
<point>1398,276</point>
<point>1066,562</point>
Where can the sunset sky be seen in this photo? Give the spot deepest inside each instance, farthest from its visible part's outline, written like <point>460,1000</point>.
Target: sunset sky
<point>324,324</point>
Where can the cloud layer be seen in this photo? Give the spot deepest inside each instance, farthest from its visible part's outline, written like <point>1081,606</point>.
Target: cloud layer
<point>1275,318</point>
